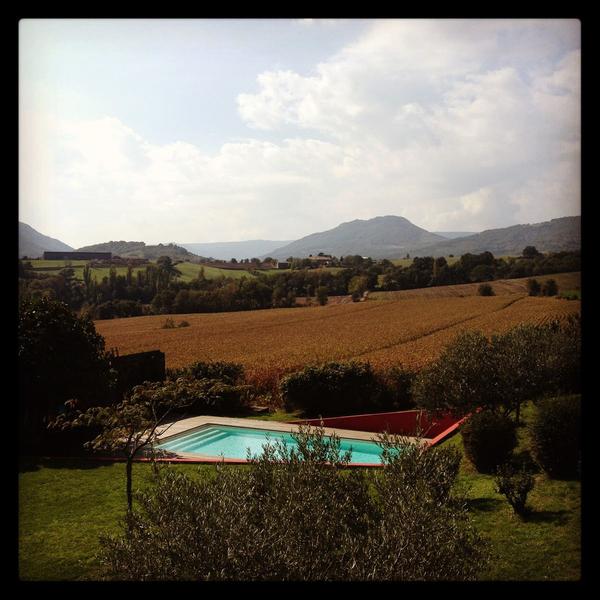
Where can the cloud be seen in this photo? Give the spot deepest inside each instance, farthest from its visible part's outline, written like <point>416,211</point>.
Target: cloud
<point>453,124</point>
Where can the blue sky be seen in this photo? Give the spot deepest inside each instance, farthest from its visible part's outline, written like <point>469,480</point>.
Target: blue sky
<point>224,130</point>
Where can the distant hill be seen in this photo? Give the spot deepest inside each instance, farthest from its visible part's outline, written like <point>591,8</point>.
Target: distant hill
<point>140,250</point>
<point>455,234</point>
<point>550,236</point>
<point>237,250</point>
<point>380,237</point>
<point>33,244</point>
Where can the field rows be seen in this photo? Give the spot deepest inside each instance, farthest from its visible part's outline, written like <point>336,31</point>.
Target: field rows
<point>411,331</point>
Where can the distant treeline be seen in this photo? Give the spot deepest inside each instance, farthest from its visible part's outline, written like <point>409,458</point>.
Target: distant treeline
<point>157,290</point>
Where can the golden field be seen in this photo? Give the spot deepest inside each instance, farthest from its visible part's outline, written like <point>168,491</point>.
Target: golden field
<point>410,330</point>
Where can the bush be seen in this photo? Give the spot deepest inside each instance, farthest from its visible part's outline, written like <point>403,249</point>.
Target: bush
<point>201,396</point>
<point>533,287</point>
<point>114,309</point>
<point>396,383</point>
<point>60,357</point>
<point>556,436</point>
<point>526,362</point>
<point>183,324</point>
<point>168,324</point>
<point>462,379</point>
<point>332,389</point>
<point>550,288</point>
<point>488,439</point>
<point>228,372</point>
<point>485,289</point>
<point>321,294</point>
<point>298,519</point>
<point>515,485</point>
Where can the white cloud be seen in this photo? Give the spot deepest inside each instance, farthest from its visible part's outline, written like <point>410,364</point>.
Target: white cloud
<point>452,124</point>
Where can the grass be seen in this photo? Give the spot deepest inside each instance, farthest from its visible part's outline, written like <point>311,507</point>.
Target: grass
<point>65,505</point>
<point>544,546</point>
<point>406,262</point>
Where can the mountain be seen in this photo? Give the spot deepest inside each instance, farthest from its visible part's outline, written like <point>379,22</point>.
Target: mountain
<point>33,244</point>
<point>550,236</point>
<point>140,250</point>
<point>237,250</point>
<point>455,234</point>
<point>380,237</point>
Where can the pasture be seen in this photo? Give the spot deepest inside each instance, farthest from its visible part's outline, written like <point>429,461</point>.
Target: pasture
<point>188,270</point>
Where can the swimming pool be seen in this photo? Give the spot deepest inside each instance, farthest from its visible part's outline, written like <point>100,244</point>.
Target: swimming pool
<point>233,442</point>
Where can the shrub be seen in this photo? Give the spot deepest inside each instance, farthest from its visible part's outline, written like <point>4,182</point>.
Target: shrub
<point>485,289</point>
<point>556,436</point>
<point>515,485</point>
<point>200,396</point>
<point>526,362</point>
<point>168,324</point>
<point>183,324</point>
<point>332,389</point>
<point>550,288</point>
<point>60,357</point>
<point>462,379</point>
<point>396,383</point>
<point>533,287</point>
<point>321,294</point>
<point>229,372</point>
<point>117,309</point>
<point>298,518</point>
<point>488,439</point>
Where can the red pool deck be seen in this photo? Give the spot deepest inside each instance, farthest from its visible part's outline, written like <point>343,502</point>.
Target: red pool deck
<point>433,429</point>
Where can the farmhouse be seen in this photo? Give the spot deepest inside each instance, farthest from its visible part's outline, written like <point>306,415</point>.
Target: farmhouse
<point>322,260</point>
<point>282,264</point>
<point>77,255</point>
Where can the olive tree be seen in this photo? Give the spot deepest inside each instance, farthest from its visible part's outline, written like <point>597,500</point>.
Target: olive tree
<point>297,513</point>
<point>133,424</point>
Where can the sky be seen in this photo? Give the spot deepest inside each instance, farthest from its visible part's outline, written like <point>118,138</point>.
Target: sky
<point>207,130</point>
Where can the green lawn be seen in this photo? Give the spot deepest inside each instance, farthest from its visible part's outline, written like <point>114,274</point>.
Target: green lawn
<point>64,505</point>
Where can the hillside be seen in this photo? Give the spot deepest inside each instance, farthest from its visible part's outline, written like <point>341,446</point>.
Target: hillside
<point>550,236</point>
<point>380,237</point>
<point>140,250</point>
<point>394,237</point>
<point>33,244</point>
<point>451,235</point>
<point>237,250</point>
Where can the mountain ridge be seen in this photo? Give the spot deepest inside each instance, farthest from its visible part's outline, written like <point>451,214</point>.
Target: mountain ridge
<point>377,237</point>
<point>563,233</point>
<point>33,244</point>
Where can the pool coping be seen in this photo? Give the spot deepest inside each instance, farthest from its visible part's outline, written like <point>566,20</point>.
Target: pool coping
<point>185,426</point>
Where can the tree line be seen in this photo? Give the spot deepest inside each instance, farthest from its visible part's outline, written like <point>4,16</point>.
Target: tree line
<point>157,289</point>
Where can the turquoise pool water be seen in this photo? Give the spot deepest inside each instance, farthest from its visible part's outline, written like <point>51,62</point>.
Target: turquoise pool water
<point>233,442</point>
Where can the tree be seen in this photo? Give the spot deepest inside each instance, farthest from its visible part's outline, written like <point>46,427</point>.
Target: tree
<point>60,357</point>
<point>530,252</point>
<point>298,516</point>
<point>463,379</point>
<point>533,287</point>
<point>549,288</point>
<point>358,285</point>
<point>321,293</point>
<point>166,271</point>
<point>132,424</point>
